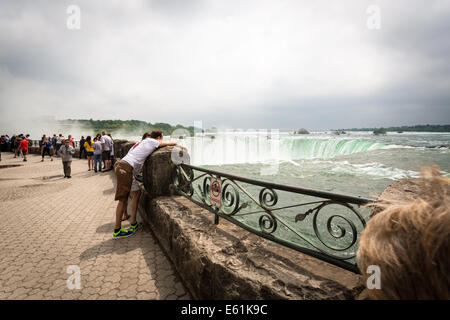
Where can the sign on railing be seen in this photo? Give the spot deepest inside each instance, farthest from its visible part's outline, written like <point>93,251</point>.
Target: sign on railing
<point>321,224</point>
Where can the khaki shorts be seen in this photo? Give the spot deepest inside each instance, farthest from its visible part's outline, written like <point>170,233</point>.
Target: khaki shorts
<point>124,174</point>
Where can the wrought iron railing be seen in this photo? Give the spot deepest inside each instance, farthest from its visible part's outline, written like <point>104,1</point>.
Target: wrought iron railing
<point>321,224</point>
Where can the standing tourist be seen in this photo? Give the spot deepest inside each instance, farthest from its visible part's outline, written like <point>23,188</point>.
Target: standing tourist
<point>1,148</point>
<point>59,142</point>
<point>24,148</point>
<point>106,150</point>
<point>71,141</point>
<point>52,148</point>
<point>13,146</point>
<point>4,143</point>
<point>99,138</point>
<point>42,142</point>
<point>112,151</point>
<point>88,146</point>
<point>82,148</point>
<point>54,139</point>
<point>97,154</point>
<point>17,146</point>
<point>124,170</point>
<point>46,145</point>
<point>66,151</point>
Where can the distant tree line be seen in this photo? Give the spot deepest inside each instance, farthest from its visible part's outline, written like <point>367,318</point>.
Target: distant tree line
<point>127,126</point>
<point>417,128</point>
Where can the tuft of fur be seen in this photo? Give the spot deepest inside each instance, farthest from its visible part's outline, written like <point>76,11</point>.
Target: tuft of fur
<point>409,241</point>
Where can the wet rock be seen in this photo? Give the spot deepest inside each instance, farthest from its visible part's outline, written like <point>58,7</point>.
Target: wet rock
<point>403,190</point>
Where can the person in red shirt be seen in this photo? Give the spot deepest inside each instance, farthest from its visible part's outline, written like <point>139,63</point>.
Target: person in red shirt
<point>71,141</point>
<point>24,147</point>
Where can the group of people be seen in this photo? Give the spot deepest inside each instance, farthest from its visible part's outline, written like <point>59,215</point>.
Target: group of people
<point>98,150</point>
<point>59,146</point>
<point>18,144</point>
<point>52,145</point>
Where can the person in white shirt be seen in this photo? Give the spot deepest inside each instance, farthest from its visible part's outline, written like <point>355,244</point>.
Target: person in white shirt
<point>59,142</point>
<point>124,170</point>
<point>106,150</point>
<point>111,154</point>
<point>97,154</point>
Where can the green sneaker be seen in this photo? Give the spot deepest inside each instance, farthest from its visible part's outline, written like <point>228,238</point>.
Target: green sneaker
<point>122,233</point>
<point>136,227</point>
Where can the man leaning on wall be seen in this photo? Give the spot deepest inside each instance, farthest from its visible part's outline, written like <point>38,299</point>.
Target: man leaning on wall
<point>126,184</point>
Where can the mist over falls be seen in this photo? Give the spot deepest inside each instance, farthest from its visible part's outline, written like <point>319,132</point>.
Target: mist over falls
<point>219,150</point>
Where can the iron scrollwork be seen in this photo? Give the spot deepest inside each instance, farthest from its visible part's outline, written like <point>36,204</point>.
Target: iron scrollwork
<point>330,237</point>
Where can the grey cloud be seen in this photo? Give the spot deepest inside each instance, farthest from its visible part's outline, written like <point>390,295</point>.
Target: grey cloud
<point>270,64</point>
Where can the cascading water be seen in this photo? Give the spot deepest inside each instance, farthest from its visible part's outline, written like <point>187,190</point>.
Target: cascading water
<point>325,148</point>
<point>234,149</point>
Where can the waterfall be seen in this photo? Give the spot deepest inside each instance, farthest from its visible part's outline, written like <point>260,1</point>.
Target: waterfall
<point>232,149</point>
<point>295,149</point>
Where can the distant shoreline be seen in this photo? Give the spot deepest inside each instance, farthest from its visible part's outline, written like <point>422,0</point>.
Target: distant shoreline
<point>129,126</point>
<point>416,128</point>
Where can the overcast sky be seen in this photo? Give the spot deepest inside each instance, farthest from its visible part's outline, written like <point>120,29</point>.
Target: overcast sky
<point>239,63</point>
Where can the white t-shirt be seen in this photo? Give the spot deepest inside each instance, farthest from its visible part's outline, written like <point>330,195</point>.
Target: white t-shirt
<point>97,147</point>
<point>140,151</point>
<point>108,142</point>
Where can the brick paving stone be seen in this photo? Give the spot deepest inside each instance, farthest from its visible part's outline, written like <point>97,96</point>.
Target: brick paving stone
<point>50,223</point>
<point>146,296</point>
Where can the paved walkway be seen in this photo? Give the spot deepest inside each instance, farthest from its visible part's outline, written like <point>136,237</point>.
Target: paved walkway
<point>49,223</point>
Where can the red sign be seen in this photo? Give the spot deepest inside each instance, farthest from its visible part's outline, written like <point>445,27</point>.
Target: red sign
<point>216,192</point>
